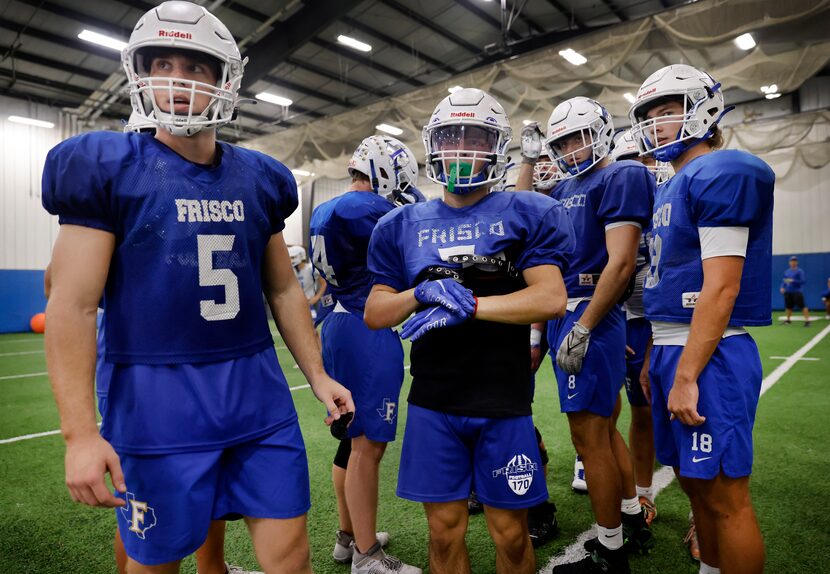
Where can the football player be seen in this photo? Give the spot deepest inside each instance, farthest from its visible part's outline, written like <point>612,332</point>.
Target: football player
<point>609,204</point>
<point>384,174</point>
<point>710,277</point>
<point>182,234</point>
<point>637,336</point>
<point>477,268</point>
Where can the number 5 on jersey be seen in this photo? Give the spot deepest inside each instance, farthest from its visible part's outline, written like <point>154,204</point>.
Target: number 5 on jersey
<point>209,276</point>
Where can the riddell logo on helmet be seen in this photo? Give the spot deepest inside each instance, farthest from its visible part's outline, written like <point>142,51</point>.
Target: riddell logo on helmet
<point>462,114</point>
<point>175,34</point>
<point>647,92</point>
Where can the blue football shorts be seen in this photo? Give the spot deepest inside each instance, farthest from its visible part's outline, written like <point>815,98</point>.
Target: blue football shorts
<point>445,457</point>
<point>729,388</point>
<point>370,364</point>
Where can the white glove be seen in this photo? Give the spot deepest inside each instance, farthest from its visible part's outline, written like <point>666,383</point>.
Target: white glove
<point>531,141</point>
<point>572,351</point>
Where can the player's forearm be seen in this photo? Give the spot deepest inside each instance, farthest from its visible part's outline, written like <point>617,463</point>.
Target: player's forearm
<point>709,321</point>
<point>610,287</point>
<point>525,180</point>
<point>533,304</point>
<point>290,310</point>
<point>70,359</point>
<point>385,309</point>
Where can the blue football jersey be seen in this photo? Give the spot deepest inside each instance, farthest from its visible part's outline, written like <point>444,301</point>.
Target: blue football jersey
<point>189,245</point>
<point>794,280</point>
<point>622,191</point>
<point>477,368</point>
<point>340,230</point>
<point>727,188</point>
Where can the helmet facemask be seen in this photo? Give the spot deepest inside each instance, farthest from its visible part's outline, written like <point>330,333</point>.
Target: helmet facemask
<point>546,173</point>
<point>464,157</point>
<point>150,94</point>
<point>590,141</point>
<point>695,122</point>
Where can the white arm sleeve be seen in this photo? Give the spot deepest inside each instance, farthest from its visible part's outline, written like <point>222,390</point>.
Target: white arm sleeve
<point>616,224</point>
<point>723,241</point>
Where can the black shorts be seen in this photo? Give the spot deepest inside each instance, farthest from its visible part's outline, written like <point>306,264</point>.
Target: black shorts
<point>793,300</point>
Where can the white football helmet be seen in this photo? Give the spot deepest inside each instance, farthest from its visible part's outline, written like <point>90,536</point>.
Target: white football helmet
<point>580,115</point>
<point>297,254</point>
<point>546,173</point>
<point>183,26</point>
<point>389,164</point>
<point>703,107</point>
<point>467,129</point>
<point>138,124</point>
<point>624,147</point>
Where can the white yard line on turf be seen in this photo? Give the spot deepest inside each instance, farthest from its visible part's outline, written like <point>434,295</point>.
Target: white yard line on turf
<point>801,359</point>
<point>21,353</point>
<point>26,376</point>
<point>52,432</point>
<point>664,476</point>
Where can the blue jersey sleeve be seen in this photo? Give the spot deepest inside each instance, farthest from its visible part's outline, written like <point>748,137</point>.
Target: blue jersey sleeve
<point>283,194</point>
<point>384,260</point>
<point>628,195</point>
<point>731,196</point>
<point>552,242</point>
<point>76,179</point>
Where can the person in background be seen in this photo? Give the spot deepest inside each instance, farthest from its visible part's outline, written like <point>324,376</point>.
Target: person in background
<point>792,288</point>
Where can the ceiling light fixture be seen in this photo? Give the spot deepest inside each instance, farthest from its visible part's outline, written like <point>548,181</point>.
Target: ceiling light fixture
<point>352,43</point>
<point>274,99</point>
<point>573,57</point>
<point>389,129</point>
<point>31,122</point>
<point>101,40</point>
<point>745,41</point>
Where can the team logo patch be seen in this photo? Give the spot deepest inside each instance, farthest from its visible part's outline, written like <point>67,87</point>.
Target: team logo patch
<point>388,411</point>
<point>519,473</point>
<point>586,279</point>
<point>139,515</point>
<point>690,299</point>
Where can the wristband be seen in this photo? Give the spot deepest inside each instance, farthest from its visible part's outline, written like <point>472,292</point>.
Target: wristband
<point>529,160</point>
<point>535,337</point>
<point>475,309</point>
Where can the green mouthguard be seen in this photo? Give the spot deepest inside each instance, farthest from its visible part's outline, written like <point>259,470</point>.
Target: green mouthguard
<point>458,170</point>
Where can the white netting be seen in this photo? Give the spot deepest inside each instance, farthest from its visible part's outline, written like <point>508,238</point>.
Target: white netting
<point>530,86</point>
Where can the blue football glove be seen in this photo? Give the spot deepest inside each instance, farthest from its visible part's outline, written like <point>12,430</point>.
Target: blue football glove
<point>447,293</point>
<point>429,319</point>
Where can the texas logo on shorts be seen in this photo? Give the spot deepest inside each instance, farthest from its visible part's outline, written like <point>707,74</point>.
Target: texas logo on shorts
<point>138,515</point>
<point>519,473</point>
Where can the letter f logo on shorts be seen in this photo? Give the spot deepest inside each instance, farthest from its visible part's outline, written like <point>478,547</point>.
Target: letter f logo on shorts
<point>387,411</point>
<point>138,515</point>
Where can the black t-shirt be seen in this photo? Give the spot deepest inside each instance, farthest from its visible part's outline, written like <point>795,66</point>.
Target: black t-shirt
<point>478,368</point>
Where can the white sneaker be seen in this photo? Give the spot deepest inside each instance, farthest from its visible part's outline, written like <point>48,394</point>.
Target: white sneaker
<point>238,570</point>
<point>579,483</point>
<point>376,561</point>
<point>344,545</point>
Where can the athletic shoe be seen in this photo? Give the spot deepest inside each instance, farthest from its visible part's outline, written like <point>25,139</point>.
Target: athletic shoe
<point>806,323</point>
<point>691,539</point>
<point>542,523</point>
<point>376,561</point>
<point>579,484</point>
<point>649,509</point>
<point>637,536</point>
<point>473,504</point>
<point>600,561</point>
<point>344,545</point>
<point>238,570</point>
<point>787,322</point>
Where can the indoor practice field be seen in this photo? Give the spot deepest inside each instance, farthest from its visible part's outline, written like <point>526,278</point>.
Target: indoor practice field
<point>43,532</point>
